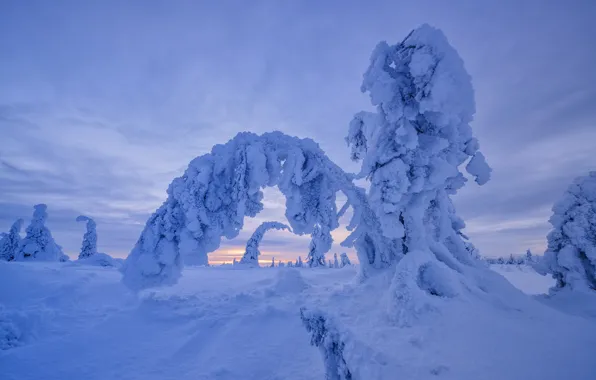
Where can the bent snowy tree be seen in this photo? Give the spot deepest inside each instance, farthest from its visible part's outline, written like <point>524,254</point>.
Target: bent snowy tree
<point>89,246</point>
<point>220,188</point>
<point>251,253</point>
<point>571,253</point>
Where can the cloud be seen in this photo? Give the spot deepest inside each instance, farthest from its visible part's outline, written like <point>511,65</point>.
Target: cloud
<point>103,104</point>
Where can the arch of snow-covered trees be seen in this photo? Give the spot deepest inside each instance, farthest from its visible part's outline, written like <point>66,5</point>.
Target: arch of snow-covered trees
<point>220,188</point>
<point>411,150</point>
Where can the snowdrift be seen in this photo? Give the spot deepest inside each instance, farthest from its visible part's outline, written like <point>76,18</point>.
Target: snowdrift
<point>74,322</point>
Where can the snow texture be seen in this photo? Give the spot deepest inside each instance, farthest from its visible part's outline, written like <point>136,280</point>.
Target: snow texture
<point>245,324</point>
<point>38,244</point>
<point>571,253</point>
<point>220,188</point>
<point>9,244</point>
<point>251,253</point>
<point>89,246</point>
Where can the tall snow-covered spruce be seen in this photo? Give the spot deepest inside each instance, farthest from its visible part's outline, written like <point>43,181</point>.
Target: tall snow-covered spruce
<point>89,246</point>
<point>571,253</point>
<point>251,253</point>
<point>411,150</point>
<point>9,244</point>
<point>38,243</point>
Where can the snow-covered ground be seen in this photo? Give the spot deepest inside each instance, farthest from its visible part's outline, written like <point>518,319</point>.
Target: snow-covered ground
<point>65,321</point>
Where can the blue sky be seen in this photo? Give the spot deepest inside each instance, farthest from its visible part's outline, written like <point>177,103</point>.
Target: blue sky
<point>103,103</point>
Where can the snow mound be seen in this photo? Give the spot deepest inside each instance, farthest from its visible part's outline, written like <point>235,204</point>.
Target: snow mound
<point>289,281</point>
<point>100,259</point>
<point>502,334</point>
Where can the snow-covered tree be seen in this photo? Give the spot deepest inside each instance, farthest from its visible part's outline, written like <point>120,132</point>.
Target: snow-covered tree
<point>412,146</point>
<point>529,257</point>
<point>335,262</point>
<point>38,243</point>
<point>281,264</point>
<point>412,149</point>
<point>344,260</point>
<point>9,244</point>
<point>290,264</point>
<point>251,253</point>
<point>320,243</point>
<point>571,253</point>
<point>299,263</point>
<point>89,246</point>
<point>234,262</point>
<point>272,263</point>
<point>329,264</point>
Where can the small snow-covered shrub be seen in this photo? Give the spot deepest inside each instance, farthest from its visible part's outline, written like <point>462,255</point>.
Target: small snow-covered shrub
<point>571,253</point>
<point>9,244</point>
<point>101,260</point>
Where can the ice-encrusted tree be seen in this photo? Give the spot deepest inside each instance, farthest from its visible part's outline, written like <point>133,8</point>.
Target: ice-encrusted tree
<point>412,147</point>
<point>344,260</point>
<point>9,244</point>
<point>38,243</point>
<point>89,246</point>
<point>251,253</point>
<point>571,253</point>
